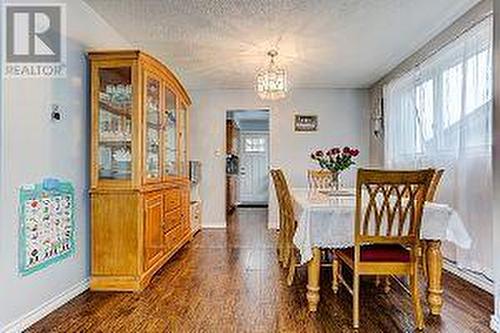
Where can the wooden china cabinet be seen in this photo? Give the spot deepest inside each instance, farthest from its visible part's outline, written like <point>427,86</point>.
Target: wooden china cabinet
<point>139,170</point>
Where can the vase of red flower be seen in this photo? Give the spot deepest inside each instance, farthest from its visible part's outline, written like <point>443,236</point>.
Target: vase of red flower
<point>335,160</point>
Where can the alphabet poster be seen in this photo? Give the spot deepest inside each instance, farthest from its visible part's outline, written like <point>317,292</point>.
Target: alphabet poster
<point>47,226</point>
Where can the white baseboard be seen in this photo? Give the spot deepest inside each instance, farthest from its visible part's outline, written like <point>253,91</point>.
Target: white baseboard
<point>213,226</point>
<point>476,279</point>
<point>495,323</point>
<point>47,307</point>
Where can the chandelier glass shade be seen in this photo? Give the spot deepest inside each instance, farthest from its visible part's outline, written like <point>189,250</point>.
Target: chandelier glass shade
<point>272,81</point>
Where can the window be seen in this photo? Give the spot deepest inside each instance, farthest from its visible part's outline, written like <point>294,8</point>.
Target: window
<point>452,95</point>
<point>444,104</point>
<point>255,145</point>
<point>424,104</point>
<point>478,81</point>
<point>439,115</point>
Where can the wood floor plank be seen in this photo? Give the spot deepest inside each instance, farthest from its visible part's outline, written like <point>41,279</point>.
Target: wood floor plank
<point>229,281</point>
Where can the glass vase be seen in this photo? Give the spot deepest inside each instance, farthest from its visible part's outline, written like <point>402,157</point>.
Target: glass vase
<point>335,180</point>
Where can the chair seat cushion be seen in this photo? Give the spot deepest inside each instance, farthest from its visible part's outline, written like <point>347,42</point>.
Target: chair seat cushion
<point>379,253</point>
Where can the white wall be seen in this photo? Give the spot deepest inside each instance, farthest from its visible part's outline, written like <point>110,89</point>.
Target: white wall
<point>495,320</point>
<point>343,120</point>
<point>33,147</point>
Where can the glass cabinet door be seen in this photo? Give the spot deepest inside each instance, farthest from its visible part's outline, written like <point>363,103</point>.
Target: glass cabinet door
<point>183,141</point>
<point>170,136</point>
<point>152,119</point>
<point>115,123</point>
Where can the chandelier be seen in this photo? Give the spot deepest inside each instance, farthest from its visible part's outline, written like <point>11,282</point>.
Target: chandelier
<point>271,82</point>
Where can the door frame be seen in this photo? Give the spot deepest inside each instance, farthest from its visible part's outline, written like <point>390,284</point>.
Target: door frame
<point>270,224</point>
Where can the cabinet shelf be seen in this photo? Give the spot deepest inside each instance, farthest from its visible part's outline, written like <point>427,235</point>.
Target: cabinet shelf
<point>154,126</point>
<point>115,143</point>
<point>122,112</point>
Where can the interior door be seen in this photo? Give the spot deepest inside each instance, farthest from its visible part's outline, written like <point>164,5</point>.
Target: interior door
<point>254,161</point>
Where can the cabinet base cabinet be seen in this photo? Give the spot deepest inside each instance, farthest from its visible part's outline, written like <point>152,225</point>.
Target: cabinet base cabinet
<point>134,234</point>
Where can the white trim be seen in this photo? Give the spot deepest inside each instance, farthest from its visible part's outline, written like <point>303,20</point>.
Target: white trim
<point>476,279</point>
<point>495,323</point>
<point>45,308</point>
<point>213,226</point>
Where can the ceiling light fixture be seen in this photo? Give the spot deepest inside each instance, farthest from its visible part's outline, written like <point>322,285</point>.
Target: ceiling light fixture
<point>272,82</point>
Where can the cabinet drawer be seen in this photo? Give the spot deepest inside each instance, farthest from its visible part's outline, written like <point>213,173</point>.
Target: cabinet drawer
<point>173,219</point>
<point>172,199</point>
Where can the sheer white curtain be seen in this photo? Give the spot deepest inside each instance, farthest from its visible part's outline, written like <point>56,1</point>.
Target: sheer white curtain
<point>440,115</point>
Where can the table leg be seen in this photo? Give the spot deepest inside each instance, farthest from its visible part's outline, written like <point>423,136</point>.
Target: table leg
<point>435,272</point>
<point>313,271</point>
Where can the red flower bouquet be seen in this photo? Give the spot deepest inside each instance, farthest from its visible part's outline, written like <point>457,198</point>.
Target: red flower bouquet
<point>336,160</point>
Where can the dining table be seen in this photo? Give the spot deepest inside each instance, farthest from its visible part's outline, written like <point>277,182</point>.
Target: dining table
<point>326,221</point>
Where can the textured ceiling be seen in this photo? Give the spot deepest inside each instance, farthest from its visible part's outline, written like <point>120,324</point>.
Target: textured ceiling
<point>322,43</point>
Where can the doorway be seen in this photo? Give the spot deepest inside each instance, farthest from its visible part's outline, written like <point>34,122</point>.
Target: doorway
<point>247,159</point>
<point>254,161</point>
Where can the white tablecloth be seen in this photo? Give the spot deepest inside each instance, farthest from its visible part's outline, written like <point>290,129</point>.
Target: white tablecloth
<point>328,222</point>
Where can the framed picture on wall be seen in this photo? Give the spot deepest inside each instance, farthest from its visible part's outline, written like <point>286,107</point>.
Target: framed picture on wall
<point>305,123</point>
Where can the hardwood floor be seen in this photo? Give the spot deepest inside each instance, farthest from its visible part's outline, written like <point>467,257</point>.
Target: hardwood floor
<point>229,281</point>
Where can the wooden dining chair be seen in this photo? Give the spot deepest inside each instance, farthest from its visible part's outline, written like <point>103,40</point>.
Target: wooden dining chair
<point>436,181</point>
<point>276,177</point>
<point>288,225</point>
<point>319,179</point>
<point>386,231</point>
<point>431,197</point>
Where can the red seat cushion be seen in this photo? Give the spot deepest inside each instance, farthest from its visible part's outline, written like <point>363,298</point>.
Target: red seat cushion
<point>380,253</point>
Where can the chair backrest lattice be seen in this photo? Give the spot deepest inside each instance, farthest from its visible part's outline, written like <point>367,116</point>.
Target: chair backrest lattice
<point>436,180</point>
<point>319,179</point>
<point>389,205</point>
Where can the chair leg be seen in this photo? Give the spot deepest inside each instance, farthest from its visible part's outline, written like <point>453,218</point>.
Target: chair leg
<point>291,269</point>
<point>335,275</point>
<point>355,301</point>
<point>423,250</point>
<point>286,251</point>
<point>387,283</point>
<point>415,295</point>
<point>387,286</point>
<point>286,258</point>
<point>281,242</point>
<point>280,245</point>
